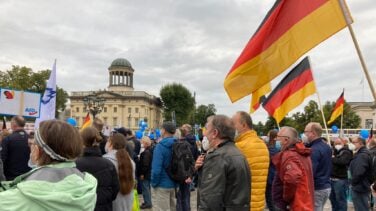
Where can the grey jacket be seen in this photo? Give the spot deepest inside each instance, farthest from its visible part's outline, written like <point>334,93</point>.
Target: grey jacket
<point>224,180</point>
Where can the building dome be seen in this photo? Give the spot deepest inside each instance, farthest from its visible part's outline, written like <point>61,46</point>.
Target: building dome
<point>121,62</point>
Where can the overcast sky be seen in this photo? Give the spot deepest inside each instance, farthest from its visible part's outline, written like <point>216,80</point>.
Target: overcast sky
<point>194,43</point>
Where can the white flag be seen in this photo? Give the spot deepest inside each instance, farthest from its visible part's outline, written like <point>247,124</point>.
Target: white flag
<point>48,102</point>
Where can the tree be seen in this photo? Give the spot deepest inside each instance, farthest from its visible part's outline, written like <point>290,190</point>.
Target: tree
<point>201,113</point>
<point>23,78</point>
<point>177,99</point>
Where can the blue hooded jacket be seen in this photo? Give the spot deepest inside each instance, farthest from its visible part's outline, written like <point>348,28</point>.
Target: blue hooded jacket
<point>161,160</point>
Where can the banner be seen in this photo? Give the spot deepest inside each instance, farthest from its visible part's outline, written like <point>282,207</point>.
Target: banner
<point>15,102</point>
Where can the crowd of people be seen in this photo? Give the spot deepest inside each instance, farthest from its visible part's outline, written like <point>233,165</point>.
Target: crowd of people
<point>59,167</point>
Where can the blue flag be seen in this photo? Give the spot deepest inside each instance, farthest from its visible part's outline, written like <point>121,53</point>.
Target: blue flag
<point>48,102</point>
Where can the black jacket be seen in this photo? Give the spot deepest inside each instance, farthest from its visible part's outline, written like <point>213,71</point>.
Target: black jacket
<point>341,161</point>
<point>145,163</point>
<point>105,172</point>
<point>191,139</point>
<point>15,154</point>
<point>360,170</point>
<point>224,180</point>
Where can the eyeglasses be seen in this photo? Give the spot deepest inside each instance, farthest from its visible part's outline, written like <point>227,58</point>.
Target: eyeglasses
<point>285,137</point>
<point>306,131</point>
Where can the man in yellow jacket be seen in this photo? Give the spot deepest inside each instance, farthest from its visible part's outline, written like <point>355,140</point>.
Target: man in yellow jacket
<point>257,155</point>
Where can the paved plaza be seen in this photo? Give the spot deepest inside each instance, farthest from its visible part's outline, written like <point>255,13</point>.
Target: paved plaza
<point>194,203</point>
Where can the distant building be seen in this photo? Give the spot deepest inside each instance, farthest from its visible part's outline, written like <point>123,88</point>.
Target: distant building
<point>123,106</point>
<point>367,113</point>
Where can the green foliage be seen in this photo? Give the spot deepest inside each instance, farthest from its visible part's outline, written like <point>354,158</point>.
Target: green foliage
<point>177,98</point>
<point>312,113</point>
<point>201,113</point>
<point>23,78</point>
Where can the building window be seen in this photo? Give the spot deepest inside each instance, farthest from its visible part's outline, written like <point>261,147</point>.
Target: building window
<point>105,120</point>
<point>77,109</point>
<point>136,110</point>
<point>105,109</point>
<point>115,109</point>
<point>135,122</point>
<point>114,121</point>
<point>369,123</point>
<point>129,110</point>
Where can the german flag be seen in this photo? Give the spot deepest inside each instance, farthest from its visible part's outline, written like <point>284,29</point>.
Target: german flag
<point>290,29</point>
<point>338,108</point>
<point>87,121</point>
<point>291,91</point>
<point>259,96</point>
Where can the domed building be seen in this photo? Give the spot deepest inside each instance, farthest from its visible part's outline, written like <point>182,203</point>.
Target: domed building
<point>123,107</point>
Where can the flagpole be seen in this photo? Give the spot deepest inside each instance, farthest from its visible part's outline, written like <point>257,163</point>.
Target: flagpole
<point>345,13</point>
<point>323,116</point>
<point>322,111</point>
<point>343,91</point>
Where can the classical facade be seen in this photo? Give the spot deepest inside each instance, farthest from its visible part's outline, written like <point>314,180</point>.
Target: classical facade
<point>123,106</point>
<point>366,112</point>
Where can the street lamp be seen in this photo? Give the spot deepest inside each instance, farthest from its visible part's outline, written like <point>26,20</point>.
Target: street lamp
<point>93,104</point>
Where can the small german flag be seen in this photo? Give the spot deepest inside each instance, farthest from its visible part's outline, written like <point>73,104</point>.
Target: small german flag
<point>338,108</point>
<point>291,91</point>
<point>87,121</point>
<point>290,29</point>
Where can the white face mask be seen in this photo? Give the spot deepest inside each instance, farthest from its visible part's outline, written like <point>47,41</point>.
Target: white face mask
<point>351,146</point>
<point>338,147</point>
<point>205,143</point>
<point>304,138</point>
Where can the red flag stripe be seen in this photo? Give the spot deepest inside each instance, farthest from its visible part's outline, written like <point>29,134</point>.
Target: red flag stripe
<point>280,19</point>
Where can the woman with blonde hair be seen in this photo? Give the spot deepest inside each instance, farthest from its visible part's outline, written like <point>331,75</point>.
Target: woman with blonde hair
<point>145,172</point>
<point>56,183</point>
<point>125,166</point>
<point>102,169</point>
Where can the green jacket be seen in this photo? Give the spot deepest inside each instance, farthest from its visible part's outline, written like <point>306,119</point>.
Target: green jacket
<point>52,187</point>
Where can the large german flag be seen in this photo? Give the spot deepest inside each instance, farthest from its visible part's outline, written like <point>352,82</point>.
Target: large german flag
<point>291,91</point>
<point>290,29</point>
<point>338,108</point>
<point>259,96</point>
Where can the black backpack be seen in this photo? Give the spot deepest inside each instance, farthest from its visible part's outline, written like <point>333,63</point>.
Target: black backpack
<point>182,163</point>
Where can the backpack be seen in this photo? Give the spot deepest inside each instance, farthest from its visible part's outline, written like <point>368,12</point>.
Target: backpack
<point>182,162</point>
<point>372,164</point>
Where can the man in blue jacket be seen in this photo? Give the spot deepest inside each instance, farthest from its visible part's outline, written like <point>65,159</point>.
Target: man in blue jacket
<point>163,188</point>
<point>322,167</point>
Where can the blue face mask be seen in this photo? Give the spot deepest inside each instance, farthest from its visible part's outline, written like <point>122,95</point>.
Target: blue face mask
<point>278,145</point>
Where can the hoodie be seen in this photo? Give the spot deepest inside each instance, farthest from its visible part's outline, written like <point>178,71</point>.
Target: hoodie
<point>53,187</point>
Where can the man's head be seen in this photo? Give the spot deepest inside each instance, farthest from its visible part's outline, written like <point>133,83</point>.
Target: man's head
<point>186,129</point>
<point>359,142</point>
<point>287,136</point>
<point>242,122</point>
<point>17,122</point>
<point>218,129</point>
<point>168,129</point>
<point>313,131</point>
<point>98,124</point>
<point>338,144</point>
